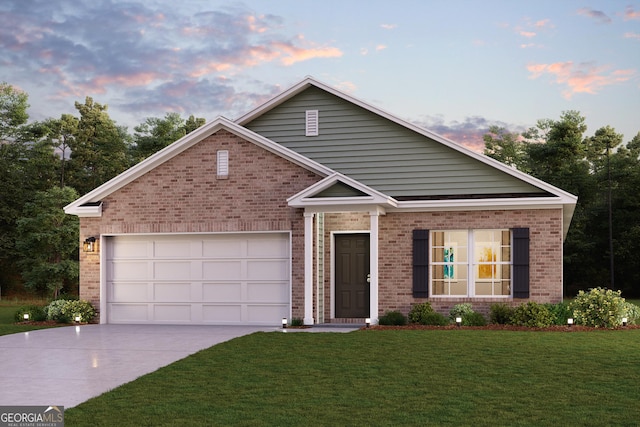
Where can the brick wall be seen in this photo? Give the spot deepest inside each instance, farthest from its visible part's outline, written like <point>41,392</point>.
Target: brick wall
<point>184,195</point>
<point>396,246</point>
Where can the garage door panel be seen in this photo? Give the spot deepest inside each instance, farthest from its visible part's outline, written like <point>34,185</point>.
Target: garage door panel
<point>172,249</point>
<point>267,292</point>
<point>267,270</point>
<point>239,278</point>
<point>267,248</point>
<point>223,248</point>
<point>221,292</point>
<point>122,313</point>
<point>257,313</point>
<point>221,270</point>
<point>128,270</point>
<point>222,313</point>
<point>172,270</point>
<point>172,313</point>
<point>166,292</point>
<point>135,248</point>
<point>128,292</point>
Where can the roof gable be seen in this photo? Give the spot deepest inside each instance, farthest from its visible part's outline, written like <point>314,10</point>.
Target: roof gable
<point>89,206</point>
<point>384,152</point>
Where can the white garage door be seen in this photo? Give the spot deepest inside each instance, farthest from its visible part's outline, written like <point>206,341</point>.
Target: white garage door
<point>198,279</point>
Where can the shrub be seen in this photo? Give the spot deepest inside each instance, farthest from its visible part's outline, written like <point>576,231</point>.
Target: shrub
<point>474,319</point>
<point>65,311</point>
<point>434,319</point>
<point>54,311</point>
<point>500,314</point>
<point>419,312</point>
<point>632,313</point>
<point>532,315</point>
<point>296,321</point>
<point>36,313</point>
<point>392,318</point>
<point>469,317</point>
<point>599,307</point>
<point>561,312</point>
<point>460,310</point>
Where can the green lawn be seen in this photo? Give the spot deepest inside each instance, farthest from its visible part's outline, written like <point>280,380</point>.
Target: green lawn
<point>424,377</point>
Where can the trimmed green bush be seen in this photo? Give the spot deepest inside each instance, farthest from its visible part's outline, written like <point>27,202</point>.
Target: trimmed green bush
<point>474,319</point>
<point>392,318</point>
<point>500,314</point>
<point>632,312</point>
<point>297,321</point>
<point>599,307</point>
<point>434,319</point>
<point>532,315</point>
<point>469,317</point>
<point>65,311</point>
<point>35,312</point>
<point>419,312</point>
<point>560,312</point>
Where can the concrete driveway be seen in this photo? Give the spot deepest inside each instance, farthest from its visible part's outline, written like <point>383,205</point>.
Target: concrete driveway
<point>66,366</point>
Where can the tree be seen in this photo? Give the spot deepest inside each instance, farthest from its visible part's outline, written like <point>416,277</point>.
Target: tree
<point>156,133</point>
<point>505,147</point>
<point>61,134</point>
<point>48,241</point>
<point>99,149</point>
<point>13,110</point>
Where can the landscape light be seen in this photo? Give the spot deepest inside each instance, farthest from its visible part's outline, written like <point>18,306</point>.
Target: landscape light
<point>367,322</point>
<point>284,322</point>
<point>570,321</point>
<point>624,321</point>
<point>78,319</point>
<point>26,316</point>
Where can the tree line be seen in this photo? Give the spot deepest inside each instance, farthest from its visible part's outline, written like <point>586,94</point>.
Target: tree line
<point>44,165</point>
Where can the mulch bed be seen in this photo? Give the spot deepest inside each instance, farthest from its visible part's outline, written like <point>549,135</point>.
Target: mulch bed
<point>574,328</point>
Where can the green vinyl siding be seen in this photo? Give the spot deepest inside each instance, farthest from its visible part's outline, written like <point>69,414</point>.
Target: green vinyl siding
<point>380,153</point>
<point>340,190</point>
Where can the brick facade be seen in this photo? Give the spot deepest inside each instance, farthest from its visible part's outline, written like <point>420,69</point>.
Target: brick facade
<point>184,195</point>
<point>395,253</point>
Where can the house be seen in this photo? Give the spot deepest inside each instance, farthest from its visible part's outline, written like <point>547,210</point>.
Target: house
<point>318,206</point>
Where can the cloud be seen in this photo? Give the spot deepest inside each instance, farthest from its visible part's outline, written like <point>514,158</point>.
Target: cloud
<point>630,13</point>
<point>527,34</point>
<point>580,78</point>
<point>631,35</point>
<point>381,47</point>
<point>468,132</point>
<point>131,49</point>
<point>543,23</point>
<point>595,14</point>
<point>388,26</point>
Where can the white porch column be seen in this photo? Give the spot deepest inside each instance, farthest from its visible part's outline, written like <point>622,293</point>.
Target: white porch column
<point>373,265</point>
<point>308,268</point>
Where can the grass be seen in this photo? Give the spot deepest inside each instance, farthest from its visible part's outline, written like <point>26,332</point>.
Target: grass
<point>8,309</point>
<point>410,377</point>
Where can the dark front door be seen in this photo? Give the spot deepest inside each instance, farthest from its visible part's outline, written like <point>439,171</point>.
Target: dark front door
<point>352,271</point>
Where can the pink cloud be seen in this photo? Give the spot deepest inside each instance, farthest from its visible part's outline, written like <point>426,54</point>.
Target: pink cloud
<point>630,14</point>
<point>527,34</point>
<point>543,23</point>
<point>580,78</point>
<point>293,54</point>
<point>388,26</point>
<point>381,47</point>
<point>631,35</point>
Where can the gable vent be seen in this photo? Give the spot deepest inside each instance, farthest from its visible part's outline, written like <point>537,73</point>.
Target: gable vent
<point>311,119</point>
<point>223,163</point>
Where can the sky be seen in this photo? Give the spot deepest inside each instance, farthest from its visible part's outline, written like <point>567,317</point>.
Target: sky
<point>454,67</point>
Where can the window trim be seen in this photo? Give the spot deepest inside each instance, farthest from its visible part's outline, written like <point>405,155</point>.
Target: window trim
<point>471,264</point>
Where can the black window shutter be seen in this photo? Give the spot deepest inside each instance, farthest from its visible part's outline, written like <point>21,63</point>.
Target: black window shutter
<point>520,262</point>
<point>420,263</point>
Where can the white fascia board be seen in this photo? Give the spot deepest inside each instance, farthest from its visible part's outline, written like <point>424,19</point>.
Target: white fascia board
<point>187,141</point>
<point>91,211</point>
<point>305,197</point>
